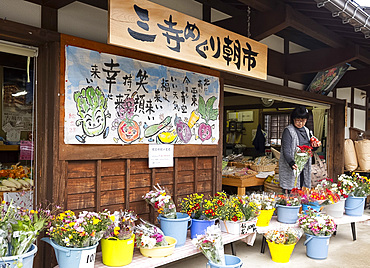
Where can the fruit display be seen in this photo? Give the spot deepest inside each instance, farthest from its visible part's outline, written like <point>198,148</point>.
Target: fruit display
<point>16,178</point>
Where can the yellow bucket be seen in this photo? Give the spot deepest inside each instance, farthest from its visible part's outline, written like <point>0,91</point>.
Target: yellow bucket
<point>280,252</point>
<point>264,217</point>
<point>117,252</point>
<point>159,252</point>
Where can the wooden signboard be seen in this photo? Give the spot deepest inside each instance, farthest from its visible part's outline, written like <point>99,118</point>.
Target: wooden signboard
<point>148,27</point>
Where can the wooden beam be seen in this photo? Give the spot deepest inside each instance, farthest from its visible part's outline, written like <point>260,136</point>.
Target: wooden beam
<point>49,18</point>
<point>260,5</point>
<point>57,3</point>
<point>312,28</point>
<point>206,10</point>
<point>235,24</point>
<point>264,24</point>
<point>355,78</point>
<point>320,59</point>
<point>223,7</point>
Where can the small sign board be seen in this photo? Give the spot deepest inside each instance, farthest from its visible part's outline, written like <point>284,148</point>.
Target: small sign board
<point>160,155</point>
<point>26,150</point>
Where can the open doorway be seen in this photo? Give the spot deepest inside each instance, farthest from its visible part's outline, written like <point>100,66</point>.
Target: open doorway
<point>17,80</point>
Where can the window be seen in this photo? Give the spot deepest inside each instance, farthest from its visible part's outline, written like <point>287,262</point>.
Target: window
<point>274,127</point>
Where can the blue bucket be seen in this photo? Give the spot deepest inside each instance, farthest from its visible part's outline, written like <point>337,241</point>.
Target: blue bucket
<point>73,257</point>
<point>315,207</point>
<point>176,228</point>
<point>199,227</point>
<point>354,206</point>
<point>231,261</point>
<point>287,214</point>
<point>317,246</point>
<point>26,259</point>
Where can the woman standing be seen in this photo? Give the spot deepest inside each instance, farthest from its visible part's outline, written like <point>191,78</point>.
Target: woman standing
<point>295,134</point>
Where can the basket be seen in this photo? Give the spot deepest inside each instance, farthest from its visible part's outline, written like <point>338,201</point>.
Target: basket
<point>272,188</point>
<point>263,168</point>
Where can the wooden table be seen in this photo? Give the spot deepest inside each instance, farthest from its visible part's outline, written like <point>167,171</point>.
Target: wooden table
<point>242,182</point>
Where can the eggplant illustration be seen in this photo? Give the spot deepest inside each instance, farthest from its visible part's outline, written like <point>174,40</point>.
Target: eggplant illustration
<point>183,130</point>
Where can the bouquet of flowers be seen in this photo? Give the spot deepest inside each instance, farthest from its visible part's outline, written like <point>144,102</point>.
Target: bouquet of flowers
<point>161,201</point>
<point>301,156</point>
<point>6,215</point>
<point>317,196</point>
<point>288,200</point>
<point>355,185</point>
<point>345,185</point>
<point>149,236</point>
<point>236,209</point>
<point>261,201</point>
<point>331,189</point>
<point>286,237</point>
<point>77,231</point>
<point>123,225</point>
<point>197,207</point>
<point>210,244</point>
<point>317,224</point>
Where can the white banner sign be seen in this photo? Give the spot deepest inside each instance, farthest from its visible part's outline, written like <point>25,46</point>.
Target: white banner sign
<point>112,99</point>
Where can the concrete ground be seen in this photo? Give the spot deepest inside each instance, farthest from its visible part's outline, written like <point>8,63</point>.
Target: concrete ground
<point>343,252</point>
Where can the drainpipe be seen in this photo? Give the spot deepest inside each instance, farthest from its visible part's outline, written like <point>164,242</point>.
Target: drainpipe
<point>350,12</point>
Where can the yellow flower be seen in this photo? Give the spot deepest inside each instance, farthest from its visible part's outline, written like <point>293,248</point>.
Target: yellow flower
<point>112,218</point>
<point>3,202</point>
<point>71,223</point>
<point>32,211</point>
<point>116,230</point>
<point>95,221</point>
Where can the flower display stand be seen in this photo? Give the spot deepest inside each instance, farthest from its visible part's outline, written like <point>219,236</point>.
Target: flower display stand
<point>117,252</point>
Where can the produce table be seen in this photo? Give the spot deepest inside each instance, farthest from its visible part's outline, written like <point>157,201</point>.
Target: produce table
<point>139,261</point>
<point>242,182</point>
<point>275,225</point>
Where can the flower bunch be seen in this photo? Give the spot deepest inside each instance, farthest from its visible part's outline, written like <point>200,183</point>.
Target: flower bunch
<point>301,156</point>
<point>232,208</point>
<point>85,229</point>
<point>317,196</point>
<point>355,184</point>
<point>261,201</point>
<point>28,224</point>
<point>345,185</point>
<point>211,245</point>
<point>149,236</point>
<point>317,224</point>
<point>7,212</point>
<point>288,200</point>
<point>123,225</point>
<point>331,189</point>
<point>197,207</point>
<point>286,237</point>
<point>161,201</point>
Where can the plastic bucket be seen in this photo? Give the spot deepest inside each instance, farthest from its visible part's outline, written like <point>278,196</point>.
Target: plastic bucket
<point>354,206</point>
<point>160,252</point>
<point>73,257</point>
<point>26,259</point>
<point>315,207</point>
<point>335,210</point>
<point>317,246</point>
<point>231,261</point>
<point>117,252</point>
<point>287,214</point>
<point>264,217</point>
<point>279,252</point>
<point>177,228</point>
<point>199,227</point>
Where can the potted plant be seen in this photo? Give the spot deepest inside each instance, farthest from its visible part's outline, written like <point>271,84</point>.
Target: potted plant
<point>288,206</point>
<point>318,228</point>
<point>282,242</point>
<point>358,189</point>
<point>75,237</point>
<point>237,216</point>
<point>172,223</point>
<point>152,242</point>
<point>203,212</point>
<point>311,198</point>
<point>334,204</point>
<point>19,230</point>
<point>265,203</point>
<point>211,245</point>
<point>117,245</point>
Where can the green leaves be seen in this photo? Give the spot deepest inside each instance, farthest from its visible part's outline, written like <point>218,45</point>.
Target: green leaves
<point>206,109</point>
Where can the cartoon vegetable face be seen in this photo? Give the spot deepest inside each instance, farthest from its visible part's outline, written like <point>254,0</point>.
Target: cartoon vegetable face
<point>91,105</point>
<point>129,132</point>
<point>183,130</point>
<point>208,113</point>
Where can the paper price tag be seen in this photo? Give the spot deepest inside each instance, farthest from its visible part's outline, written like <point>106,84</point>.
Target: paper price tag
<point>87,258</point>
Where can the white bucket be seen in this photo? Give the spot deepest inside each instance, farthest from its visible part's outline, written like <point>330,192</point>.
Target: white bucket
<point>335,210</point>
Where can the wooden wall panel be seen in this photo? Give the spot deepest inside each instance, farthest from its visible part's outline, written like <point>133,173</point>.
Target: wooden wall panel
<point>81,185</point>
<point>139,166</point>
<point>113,167</point>
<point>112,183</point>
<point>136,194</point>
<point>164,178</point>
<point>81,169</point>
<point>185,176</point>
<point>80,201</point>
<point>115,207</point>
<point>140,180</point>
<point>205,174</point>
<point>205,162</point>
<point>140,207</point>
<point>112,197</point>
<point>186,164</point>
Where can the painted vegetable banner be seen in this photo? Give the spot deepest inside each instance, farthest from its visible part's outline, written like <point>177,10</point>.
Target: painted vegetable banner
<point>111,99</point>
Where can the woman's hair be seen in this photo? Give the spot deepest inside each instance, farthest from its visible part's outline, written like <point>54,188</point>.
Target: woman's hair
<point>299,112</point>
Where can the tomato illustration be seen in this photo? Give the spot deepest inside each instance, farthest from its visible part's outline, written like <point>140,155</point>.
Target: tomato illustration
<point>128,131</point>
